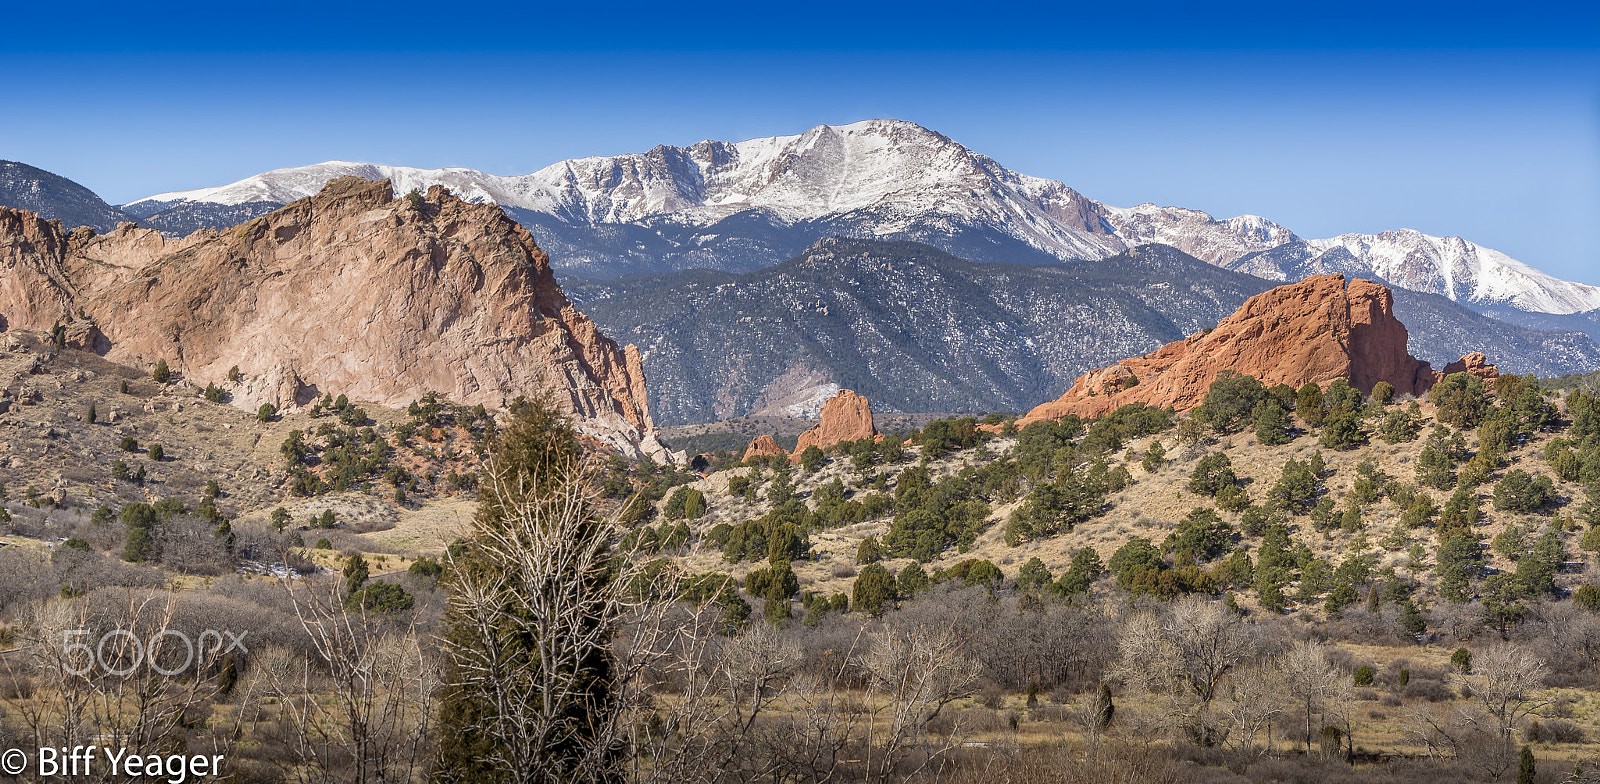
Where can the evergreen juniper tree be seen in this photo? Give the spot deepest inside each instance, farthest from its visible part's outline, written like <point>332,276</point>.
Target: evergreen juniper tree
<point>528,462</point>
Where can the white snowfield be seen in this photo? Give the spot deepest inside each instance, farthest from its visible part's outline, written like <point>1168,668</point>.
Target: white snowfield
<point>897,176</point>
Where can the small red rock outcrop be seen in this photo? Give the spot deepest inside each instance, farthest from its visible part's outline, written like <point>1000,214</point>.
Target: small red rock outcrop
<point>762,446</point>
<point>845,417</point>
<point>1475,364</point>
<point>1315,330</point>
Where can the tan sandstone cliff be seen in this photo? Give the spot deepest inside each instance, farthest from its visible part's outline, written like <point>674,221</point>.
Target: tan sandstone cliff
<point>1315,330</point>
<point>352,292</point>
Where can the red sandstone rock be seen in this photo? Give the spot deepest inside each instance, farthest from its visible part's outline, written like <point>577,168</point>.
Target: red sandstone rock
<point>1315,330</point>
<point>1476,364</point>
<point>845,417</point>
<point>761,446</point>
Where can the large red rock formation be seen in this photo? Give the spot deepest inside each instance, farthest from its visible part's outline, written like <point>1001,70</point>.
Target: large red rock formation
<point>351,292</point>
<point>1315,330</point>
<point>845,417</point>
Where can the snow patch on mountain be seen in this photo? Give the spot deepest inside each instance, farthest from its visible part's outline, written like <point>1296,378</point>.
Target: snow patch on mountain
<point>1197,233</point>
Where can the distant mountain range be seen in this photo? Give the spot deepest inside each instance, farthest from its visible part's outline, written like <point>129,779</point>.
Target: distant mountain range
<point>741,206</point>
<point>761,276</point>
<point>916,329</point>
<point>56,198</point>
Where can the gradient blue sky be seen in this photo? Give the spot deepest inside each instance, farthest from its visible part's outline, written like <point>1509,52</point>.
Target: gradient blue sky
<point>1459,119</point>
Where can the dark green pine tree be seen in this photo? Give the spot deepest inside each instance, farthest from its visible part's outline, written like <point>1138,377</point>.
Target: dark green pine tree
<point>528,457</point>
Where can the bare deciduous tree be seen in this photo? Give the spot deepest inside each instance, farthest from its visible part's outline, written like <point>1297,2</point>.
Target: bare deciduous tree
<point>918,671</point>
<point>1314,684</point>
<point>1147,659</point>
<point>1192,648</point>
<point>541,620</point>
<point>377,727</point>
<point>1210,641</point>
<point>1503,684</point>
<point>1504,679</point>
<point>1461,734</point>
<point>1257,700</point>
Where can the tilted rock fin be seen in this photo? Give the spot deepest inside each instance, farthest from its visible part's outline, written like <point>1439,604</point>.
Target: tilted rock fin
<point>1315,330</point>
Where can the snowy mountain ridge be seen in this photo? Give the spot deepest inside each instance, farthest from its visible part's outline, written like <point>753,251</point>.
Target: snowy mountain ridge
<point>893,179</point>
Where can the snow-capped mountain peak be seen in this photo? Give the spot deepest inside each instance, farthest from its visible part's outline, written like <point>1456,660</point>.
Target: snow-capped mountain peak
<point>1197,233</point>
<point>890,179</point>
<point>1461,270</point>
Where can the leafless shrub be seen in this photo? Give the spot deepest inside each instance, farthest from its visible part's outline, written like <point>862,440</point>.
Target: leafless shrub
<point>1054,714</point>
<point>991,696</point>
<point>1339,658</point>
<point>1554,731</point>
<point>377,724</point>
<point>63,694</point>
<point>1560,707</point>
<point>1428,689</point>
<point>1459,622</point>
<point>1062,695</point>
<point>977,721</point>
<point>190,546</point>
<point>1568,639</point>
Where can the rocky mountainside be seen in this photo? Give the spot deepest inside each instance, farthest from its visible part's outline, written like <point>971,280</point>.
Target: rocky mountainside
<point>347,292</point>
<point>56,198</point>
<point>740,206</point>
<point>1313,331</point>
<point>915,329</point>
<point>908,326</point>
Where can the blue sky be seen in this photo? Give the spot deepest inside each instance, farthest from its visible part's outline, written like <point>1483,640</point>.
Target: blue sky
<point>1455,119</point>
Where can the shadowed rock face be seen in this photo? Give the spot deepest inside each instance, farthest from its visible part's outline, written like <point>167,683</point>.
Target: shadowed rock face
<point>1316,330</point>
<point>845,417</point>
<point>347,292</point>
